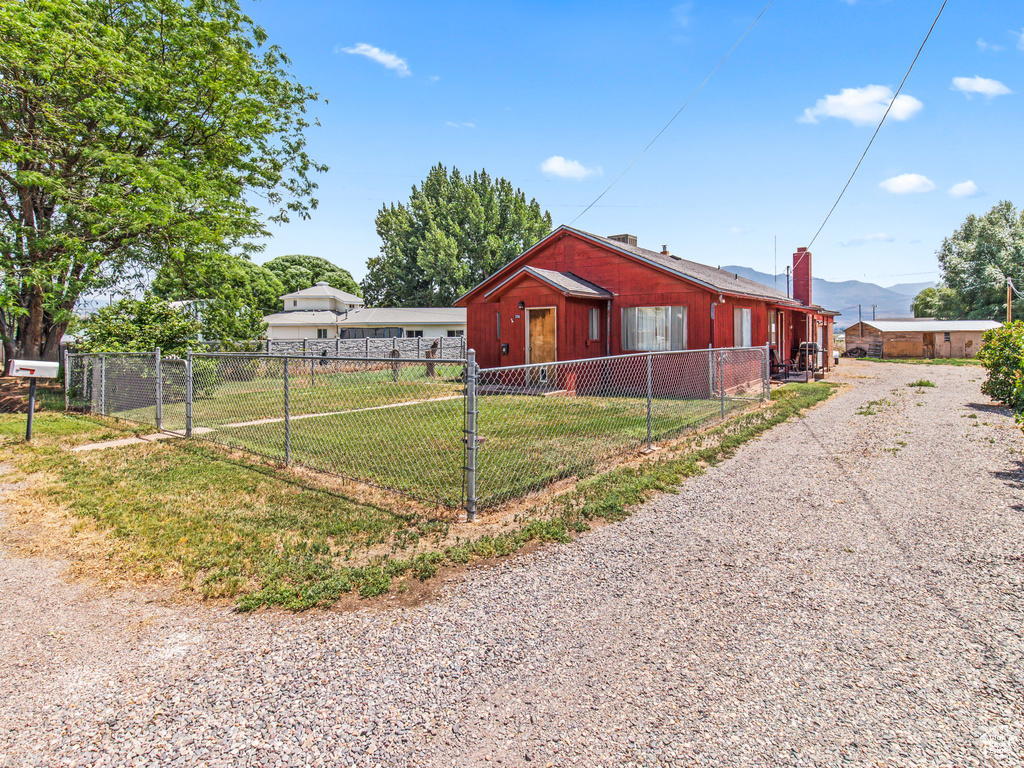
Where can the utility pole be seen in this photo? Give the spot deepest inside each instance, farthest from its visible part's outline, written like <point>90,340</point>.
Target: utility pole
<point>873,311</point>
<point>860,319</point>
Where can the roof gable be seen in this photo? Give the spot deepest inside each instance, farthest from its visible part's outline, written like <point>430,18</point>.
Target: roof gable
<point>565,283</point>
<point>711,278</point>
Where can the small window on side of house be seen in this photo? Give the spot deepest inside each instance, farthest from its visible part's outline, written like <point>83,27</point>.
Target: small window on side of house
<point>499,325</point>
<point>595,324</point>
<point>295,302</point>
<point>945,337</point>
<point>321,333</point>
<point>453,334</point>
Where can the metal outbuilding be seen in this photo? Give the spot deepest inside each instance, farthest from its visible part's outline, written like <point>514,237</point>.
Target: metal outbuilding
<point>919,337</point>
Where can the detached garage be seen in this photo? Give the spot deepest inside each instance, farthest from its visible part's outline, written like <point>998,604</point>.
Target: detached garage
<point>916,338</point>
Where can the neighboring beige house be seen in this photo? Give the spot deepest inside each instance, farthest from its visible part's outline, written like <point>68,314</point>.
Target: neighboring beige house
<point>323,312</point>
<point>919,337</point>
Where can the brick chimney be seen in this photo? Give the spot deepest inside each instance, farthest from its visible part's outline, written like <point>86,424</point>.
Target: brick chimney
<point>802,276</point>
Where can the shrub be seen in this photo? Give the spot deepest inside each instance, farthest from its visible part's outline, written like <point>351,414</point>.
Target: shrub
<point>1002,354</point>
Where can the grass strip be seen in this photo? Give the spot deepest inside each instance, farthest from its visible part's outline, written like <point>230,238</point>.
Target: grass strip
<point>233,528</point>
<point>957,361</point>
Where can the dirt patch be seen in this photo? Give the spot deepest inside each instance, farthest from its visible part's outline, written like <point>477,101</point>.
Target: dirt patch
<point>14,394</point>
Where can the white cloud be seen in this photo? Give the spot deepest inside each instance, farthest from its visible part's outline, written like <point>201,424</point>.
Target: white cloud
<point>568,169</point>
<point>881,237</point>
<point>982,85</point>
<point>906,183</point>
<point>985,46</point>
<point>964,189</point>
<point>862,106</point>
<point>389,60</point>
<point>1020,39</point>
<point>460,125</point>
<point>681,14</point>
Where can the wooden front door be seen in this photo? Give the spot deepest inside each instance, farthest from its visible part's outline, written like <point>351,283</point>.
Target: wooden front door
<point>540,340</point>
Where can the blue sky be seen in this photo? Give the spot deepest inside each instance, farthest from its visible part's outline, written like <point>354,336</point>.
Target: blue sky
<point>559,97</point>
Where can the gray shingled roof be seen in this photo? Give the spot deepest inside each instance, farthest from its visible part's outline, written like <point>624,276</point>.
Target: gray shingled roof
<point>323,290</point>
<point>303,317</point>
<point>719,279</point>
<point>406,316</point>
<point>926,325</point>
<point>566,282</point>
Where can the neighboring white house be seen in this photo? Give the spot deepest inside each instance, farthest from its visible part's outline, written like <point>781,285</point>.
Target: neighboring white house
<point>323,312</point>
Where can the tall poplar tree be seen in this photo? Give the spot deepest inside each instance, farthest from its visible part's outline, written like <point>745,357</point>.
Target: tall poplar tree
<point>454,231</point>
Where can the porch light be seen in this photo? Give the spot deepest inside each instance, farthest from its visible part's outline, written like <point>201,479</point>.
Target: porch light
<point>522,305</point>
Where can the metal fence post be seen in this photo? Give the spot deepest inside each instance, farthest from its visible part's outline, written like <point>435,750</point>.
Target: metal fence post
<point>337,346</point>
<point>367,340</point>
<point>188,393</point>
<point>766,375</point>
<point>67,379</point>
<point>721,381</point>
<point>650,361</point>
<point>440,348</point>
<point>287,420</point>
<point>103,385</point>
<point>419,344</point>
<point>471,443</point>
<point>159,389</point>
<point>268,346</point>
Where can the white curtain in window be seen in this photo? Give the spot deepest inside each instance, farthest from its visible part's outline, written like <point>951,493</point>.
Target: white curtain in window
<point>653,329</point>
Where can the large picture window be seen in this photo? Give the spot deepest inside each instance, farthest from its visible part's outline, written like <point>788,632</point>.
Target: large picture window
<point>741,327</point>
<point>653,329</point>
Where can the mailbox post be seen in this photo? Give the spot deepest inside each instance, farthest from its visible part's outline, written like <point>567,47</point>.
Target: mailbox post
<point>32,370</point>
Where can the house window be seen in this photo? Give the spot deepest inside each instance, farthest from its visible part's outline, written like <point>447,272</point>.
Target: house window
<point>321,333</point>
<point>741,327</point>
<point>773,317</point>
<point>499,324</point>
<point>455,333</point>
<point>945,337</point>
<point>295,302</point>
<point>414,334</point>
<point>595,324</point>
<point>653,329</point>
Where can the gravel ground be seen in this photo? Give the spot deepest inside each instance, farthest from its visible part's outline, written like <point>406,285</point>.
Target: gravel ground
<point>847,590</point>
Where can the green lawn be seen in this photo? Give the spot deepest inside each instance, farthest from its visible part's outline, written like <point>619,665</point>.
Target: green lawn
<point>525,442</point>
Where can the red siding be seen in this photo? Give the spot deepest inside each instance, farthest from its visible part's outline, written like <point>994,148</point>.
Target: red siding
<point>633,283</point>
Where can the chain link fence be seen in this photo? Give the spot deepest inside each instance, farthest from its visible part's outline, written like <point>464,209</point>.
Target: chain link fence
<point>426,347</point>
<point>540,423</point>
<point>440,430</point>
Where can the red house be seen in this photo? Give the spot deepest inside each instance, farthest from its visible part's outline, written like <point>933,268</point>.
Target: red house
<point>575,295</point>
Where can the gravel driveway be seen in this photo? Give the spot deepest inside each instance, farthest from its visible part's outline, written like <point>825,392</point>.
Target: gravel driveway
<point>847,590</point>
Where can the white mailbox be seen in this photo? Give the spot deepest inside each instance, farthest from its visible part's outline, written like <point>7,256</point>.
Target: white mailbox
<point>35,369</point>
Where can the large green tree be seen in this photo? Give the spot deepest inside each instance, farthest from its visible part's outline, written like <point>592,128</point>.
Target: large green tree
<point>300,271</point>
<point>976,260</point>
<point>133,133</point>
<point>454,231</point>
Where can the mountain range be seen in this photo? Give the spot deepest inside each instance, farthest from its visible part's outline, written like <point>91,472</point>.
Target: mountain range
<point>844,296</point>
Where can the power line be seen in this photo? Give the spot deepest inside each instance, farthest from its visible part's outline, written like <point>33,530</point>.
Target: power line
<point>692,95</point>
<point>887,109</point>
